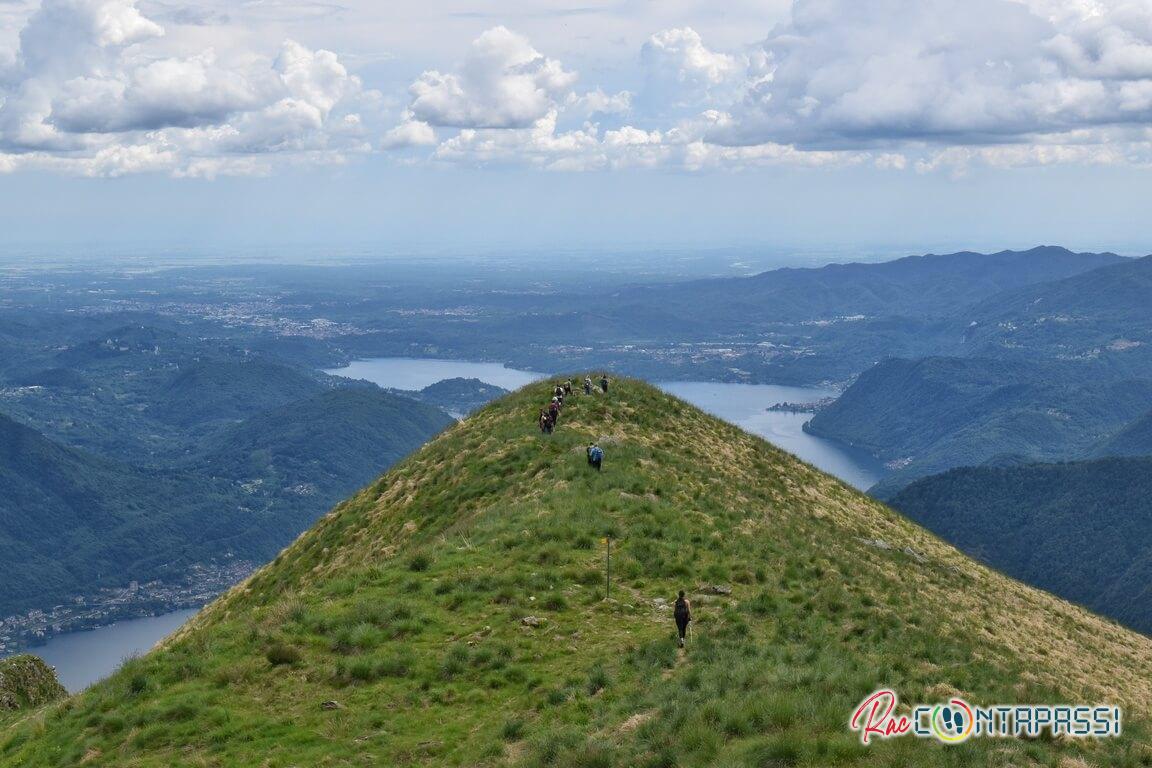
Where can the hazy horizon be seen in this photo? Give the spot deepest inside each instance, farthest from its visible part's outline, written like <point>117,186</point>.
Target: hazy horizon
<point>888,127</point>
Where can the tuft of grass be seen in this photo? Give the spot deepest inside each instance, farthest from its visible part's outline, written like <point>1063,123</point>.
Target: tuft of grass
<point>597,680</point>
<point>512,730</point>
<point>280,654</point>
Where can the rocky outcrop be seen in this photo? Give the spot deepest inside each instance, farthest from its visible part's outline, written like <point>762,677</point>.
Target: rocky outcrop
<point>26,682</point>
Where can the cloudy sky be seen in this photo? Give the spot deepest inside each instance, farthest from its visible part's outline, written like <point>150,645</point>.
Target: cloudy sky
<point>446,123</point>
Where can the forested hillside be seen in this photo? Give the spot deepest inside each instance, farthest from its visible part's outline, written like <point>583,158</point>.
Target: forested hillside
<point>1082,530</point>
<point>927,415</point>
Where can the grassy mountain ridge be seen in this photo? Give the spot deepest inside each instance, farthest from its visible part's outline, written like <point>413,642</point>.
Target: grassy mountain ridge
<point>452,613</point>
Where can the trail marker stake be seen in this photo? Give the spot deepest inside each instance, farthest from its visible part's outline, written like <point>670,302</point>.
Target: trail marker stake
<point>608,569</point>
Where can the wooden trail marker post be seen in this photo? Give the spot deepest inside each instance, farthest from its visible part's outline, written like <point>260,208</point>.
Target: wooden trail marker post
<point>608,569</point>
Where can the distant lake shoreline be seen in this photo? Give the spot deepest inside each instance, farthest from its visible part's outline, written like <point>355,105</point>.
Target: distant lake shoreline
<point>745,405</point>
<point>83,658</point>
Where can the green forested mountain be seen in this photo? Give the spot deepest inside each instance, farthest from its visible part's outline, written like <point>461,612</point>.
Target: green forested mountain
<point>1101,315</point>
<point>71,521</point>
<point>324,446</point>
<point>454,613</point>
<point>931,414</point>
<point>1133,440</point>
<point>459,395</point>
<point>227,390</point>
<point>1082,530</point>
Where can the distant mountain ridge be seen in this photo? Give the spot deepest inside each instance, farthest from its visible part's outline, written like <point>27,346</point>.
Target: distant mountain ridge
<point>1051,371</point>
<point>1134,440</point>
<point>228,390</point>
<point>923,286</point>
<point>1102,315</point>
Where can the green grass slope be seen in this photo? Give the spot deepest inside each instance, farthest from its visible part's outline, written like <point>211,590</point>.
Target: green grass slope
<point>393,633</point>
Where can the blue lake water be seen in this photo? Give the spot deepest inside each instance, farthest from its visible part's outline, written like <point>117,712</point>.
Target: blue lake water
<point>82,658</point>
<point>414,373</point>
<point>745,406</point>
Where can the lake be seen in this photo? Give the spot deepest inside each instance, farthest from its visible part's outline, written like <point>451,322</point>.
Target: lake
<point>82,658</point>
<point>414,374</point>
<point>744,405</point>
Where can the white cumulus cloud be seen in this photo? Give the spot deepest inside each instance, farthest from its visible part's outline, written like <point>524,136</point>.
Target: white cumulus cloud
<point>849,74</point>
<point>92,88</point>
<point>681,70</point>
<point>503,83</point>
<point>107,87</point>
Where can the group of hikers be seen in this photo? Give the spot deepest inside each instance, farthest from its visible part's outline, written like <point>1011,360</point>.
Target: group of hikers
<point>549,416</point>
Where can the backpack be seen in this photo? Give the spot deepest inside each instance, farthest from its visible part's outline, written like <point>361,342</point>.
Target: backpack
<point>596,454</point>
<point>681,609</point>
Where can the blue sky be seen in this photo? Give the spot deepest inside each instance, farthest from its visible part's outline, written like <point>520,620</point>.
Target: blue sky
<point>839,124</point>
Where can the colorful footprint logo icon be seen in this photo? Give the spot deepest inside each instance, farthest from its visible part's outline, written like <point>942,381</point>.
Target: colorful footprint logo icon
<point>952,722</point>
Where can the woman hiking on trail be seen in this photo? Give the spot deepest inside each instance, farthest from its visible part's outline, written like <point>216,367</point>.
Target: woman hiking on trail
<point>682,612</point>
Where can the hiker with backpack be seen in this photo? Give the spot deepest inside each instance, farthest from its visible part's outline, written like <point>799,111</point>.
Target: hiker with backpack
<point>554,410</point>
<point>604,384</point>
<point>587,385</point>
<point>568,387</point>
<point>682,612</point>
<point>595,456</point>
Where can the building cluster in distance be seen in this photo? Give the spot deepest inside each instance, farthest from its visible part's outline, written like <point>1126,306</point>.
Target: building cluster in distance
<point>201,583</point>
